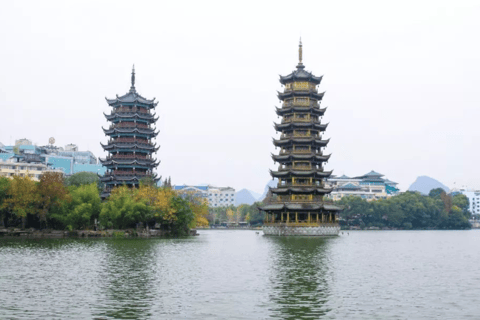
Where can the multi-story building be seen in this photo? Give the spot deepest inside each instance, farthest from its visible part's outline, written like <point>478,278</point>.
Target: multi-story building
<point>216,196</point>
<point>221,196</point>
<point>13,166</point>
<point>130,146</point>
<point>70,162</point>
<point>370,186</point>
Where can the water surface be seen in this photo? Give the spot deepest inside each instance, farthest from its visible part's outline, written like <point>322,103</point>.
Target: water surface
<point>241,275</point>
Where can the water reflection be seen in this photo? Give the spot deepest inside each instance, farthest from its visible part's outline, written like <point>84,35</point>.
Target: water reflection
<point>299,277</point>
<point>128,272</point>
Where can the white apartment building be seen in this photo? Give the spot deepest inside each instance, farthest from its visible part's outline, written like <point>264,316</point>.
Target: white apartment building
<point>10,168</point>
<point>221,196</point>
<point>216,196</point>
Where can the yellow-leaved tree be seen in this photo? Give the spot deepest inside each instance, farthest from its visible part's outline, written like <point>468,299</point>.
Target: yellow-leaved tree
<point>230,215</point>
<point>22,198</point>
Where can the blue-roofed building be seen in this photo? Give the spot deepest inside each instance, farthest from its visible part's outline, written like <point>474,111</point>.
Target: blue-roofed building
<point>370,186</point>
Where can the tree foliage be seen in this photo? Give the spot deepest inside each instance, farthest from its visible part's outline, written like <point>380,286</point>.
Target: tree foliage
<point>409,210</point>
<point>82,178</point>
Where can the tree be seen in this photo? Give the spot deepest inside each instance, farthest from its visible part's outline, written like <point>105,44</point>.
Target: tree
<point>122,210</point>
<point>4,184</point>
<point>230,215</point>
<point>22,198</point>
<point>82,178</point>
<point>52,193</point>
<point>435,193</point>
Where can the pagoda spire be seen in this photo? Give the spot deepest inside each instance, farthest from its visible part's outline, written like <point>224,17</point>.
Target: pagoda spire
<point>300,55</point>
<point>132,88</point>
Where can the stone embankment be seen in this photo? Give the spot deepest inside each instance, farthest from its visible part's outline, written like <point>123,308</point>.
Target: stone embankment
<point>57,234</point>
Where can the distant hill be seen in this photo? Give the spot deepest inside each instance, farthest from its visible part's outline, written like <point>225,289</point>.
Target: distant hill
<point>272,184</point>
<point>424,184</point>
<point>244,196</point>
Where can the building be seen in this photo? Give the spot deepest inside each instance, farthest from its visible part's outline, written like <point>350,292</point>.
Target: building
<point>17,166</point>
<point>370,186</point>
<point>216,196</point>
<point>221,196</point>
<point>298,208</point>
<point>130,145</point>
<point>70,162</point>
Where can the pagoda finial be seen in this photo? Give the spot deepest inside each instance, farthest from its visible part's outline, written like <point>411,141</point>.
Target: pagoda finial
<point>132,88</point>
<point>300,55</point>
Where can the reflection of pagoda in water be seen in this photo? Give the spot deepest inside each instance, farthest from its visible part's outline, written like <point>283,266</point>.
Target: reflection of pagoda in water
<point>130,146</point>
<point>299,208</point>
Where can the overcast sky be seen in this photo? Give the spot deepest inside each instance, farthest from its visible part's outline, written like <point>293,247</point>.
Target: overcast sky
<point>401,81</point>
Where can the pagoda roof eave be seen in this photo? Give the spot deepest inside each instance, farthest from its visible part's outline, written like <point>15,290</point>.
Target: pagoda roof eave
<point>131,97</point>
<point>291,125</point>
<point>312,94</point>
<point>300,74</point>
<point>282,142</point>
<point>314,110</point>
<point>300,190</point>
<point>291,156</point>
<point>300,207</point>
<point>300,173</point>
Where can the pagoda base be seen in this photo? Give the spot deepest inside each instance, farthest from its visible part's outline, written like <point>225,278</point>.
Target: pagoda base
<point>294,229</point>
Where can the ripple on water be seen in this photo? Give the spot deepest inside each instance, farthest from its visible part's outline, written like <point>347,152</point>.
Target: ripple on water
<point>241,275</point>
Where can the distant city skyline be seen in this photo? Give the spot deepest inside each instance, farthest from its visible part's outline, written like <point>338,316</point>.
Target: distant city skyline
<point>401,82</point>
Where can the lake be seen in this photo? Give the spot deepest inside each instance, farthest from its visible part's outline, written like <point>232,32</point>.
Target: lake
<point>224,274</point>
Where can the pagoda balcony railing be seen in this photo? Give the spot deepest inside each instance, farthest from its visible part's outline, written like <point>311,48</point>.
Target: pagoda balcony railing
<point>127,109</point>
<point>127,173</point>
<point>300,184</point>
<point>128,157</point>
<point>129,140</point>
<point>130,113</point>
<point>306,151</point>
<point>300,224</point>
<point>289,104</point>
<point>298,119</point>
<point>297,167</point>
<point>314,199</point>
<point>130,125</point>
<point>301,89</point>
<point>299,135</point>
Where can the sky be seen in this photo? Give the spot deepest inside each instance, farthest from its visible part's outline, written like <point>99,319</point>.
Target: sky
<point>401,81</point>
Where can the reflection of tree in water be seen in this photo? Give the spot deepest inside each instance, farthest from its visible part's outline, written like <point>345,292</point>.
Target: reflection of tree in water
<point>128,274</point>
<point>299,277</point>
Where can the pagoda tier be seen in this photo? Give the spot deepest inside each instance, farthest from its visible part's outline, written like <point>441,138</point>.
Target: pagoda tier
<point>297,206</point>
<point>131,116</point>
<point>130,146</point>
<point>290,110</point>
<point>289,173</point>
<point>289,141</point>
<point>290,157</point>
<point>289,126</point>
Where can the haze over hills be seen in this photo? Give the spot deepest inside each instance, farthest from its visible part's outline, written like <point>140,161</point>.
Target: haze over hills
<point>424,184</point>
<point>244,196</point>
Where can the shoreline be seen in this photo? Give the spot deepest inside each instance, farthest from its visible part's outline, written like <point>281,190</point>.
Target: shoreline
<point>62,234</point>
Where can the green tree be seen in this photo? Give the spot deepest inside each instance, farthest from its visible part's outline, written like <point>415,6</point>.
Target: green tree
<point>52,194</point>
<point>4,184</point>
<point>82,178</point>
<point>122,210</point>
